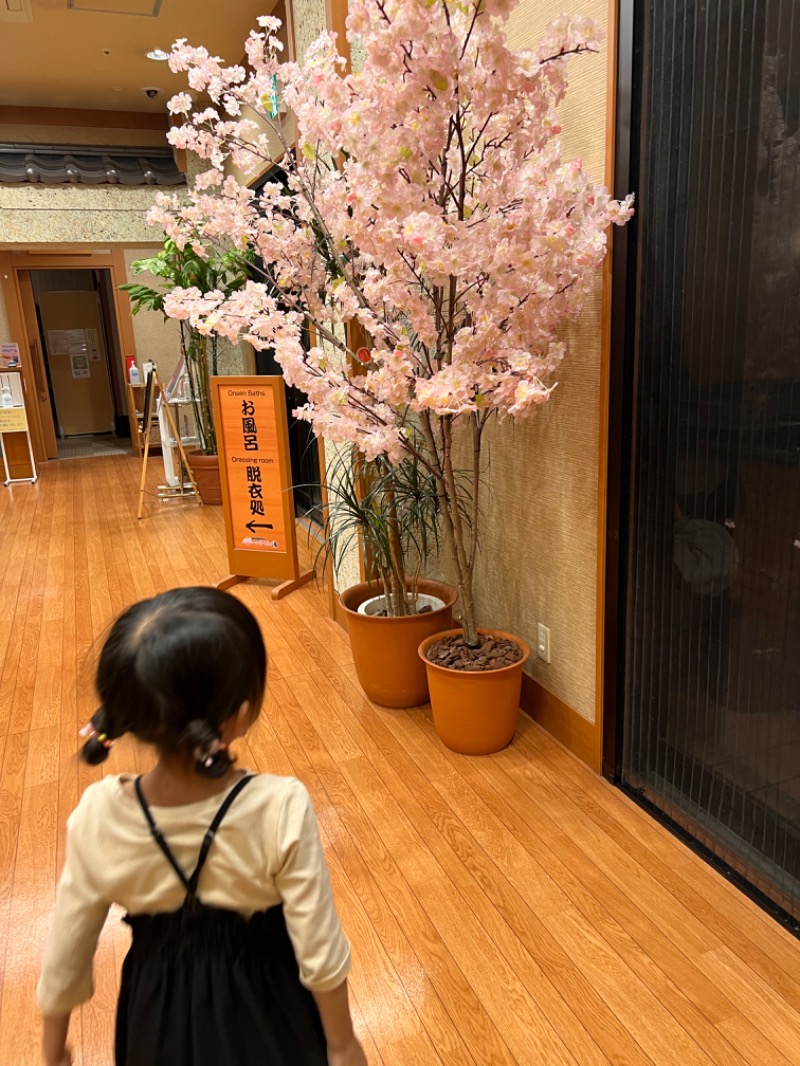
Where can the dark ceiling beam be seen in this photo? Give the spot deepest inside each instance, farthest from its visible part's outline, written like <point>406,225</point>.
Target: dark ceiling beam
<point>64,116</point>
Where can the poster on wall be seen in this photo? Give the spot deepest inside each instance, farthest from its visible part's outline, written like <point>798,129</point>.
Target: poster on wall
<point>76,341</point>
<point>57,342</point>
<point>80,366</point>
<point>12,405</point>
<point>9,354</point>
<point>93,345</point>
<point>13,419</point>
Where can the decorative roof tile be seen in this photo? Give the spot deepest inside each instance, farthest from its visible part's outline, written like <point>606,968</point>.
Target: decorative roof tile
<point>54,165</point>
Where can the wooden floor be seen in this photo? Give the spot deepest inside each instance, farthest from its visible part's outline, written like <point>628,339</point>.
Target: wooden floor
<point>514,909</point>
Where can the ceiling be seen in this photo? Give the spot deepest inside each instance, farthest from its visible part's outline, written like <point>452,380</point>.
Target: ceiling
<point>90,54</point>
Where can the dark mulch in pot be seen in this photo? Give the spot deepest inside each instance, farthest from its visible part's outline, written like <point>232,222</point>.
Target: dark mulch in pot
<point>491,654</point>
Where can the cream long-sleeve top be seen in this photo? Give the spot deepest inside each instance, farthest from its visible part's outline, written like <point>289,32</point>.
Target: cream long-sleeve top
<point>266,852</point>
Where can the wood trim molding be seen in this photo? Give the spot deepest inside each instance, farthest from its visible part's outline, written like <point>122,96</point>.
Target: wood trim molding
<point>605,383</point>
<point>122,309</point>
<point>571,729</point>
<point>328,576</point>
<point>122,303</point>
<point>12,115</point>
<point>61,261</point>
<point>16,445</point>
<point>37,251</point>
<point>291,48</point>
<point>336,20</point>
<point>337,611</point>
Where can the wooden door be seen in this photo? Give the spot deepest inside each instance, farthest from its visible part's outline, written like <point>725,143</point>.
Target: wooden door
<point>78,362</point>
<point>38,393</point>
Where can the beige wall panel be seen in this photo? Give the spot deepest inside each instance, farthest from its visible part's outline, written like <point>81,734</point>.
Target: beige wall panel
<point>309,23</point>
<point>539,558</point>
<point>159,340</point>
<point>73,214</point>
<point>156,338</point>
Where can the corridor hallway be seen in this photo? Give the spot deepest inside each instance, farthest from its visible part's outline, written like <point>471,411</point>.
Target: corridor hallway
<point>511,909</point>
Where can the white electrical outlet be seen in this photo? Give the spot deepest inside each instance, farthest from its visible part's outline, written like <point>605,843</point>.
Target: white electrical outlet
<point>543,643</point>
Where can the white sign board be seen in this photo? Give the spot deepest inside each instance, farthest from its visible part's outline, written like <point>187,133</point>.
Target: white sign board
<point>14,419</point>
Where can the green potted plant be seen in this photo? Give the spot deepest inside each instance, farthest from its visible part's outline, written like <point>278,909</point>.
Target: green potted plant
<point>220,271</point>
<point>391,513</point>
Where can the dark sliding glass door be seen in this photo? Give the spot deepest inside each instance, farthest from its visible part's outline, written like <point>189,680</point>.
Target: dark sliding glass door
<point>304,449</point>
<point>710,678</point>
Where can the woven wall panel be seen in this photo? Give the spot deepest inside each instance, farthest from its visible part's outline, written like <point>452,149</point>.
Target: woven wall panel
<point>33,214</point>
<point>539,557</point>
<point>539,544</point>
<point>155,338</point>
<point>309,22</point>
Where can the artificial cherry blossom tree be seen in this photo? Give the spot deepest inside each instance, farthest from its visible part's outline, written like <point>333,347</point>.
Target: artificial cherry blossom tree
<point>428,201</point>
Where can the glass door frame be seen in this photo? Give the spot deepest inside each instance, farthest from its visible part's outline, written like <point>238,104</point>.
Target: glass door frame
<point>620,403</point>
<point>620,503</point>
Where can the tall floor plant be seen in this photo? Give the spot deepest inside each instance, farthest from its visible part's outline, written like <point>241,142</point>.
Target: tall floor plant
<point>391,512</point>
<point>198,269</point>
<point>428,200</point>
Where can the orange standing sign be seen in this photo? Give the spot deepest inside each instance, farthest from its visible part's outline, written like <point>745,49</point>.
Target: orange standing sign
<point>256,475</point>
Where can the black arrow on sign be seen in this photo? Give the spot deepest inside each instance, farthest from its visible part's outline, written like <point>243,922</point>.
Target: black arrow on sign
<point>253,526</point>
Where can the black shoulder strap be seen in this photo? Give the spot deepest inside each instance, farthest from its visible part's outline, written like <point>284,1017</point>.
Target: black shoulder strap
<point>190,883</point>
<point>211,832</point>
<point>158,836</point>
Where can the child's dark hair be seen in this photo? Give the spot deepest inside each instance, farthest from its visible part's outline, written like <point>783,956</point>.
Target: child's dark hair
<point>173,669</point>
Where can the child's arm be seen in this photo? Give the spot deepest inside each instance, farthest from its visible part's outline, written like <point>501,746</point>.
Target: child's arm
<point>54,1041</point>
<point>334,1011</point>
<point>66,979</point>
<point>321,948</point>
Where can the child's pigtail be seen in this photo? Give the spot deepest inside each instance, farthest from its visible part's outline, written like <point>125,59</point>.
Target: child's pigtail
<point>99,739</point>
<point>210,752</point>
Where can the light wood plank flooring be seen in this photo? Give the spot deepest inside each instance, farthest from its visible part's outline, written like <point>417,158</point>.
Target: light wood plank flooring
<point>514,909</point>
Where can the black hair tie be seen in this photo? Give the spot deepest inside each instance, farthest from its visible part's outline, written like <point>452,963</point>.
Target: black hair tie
<point>209,750</point>
<point>98,741</point>
<point>214,764</point>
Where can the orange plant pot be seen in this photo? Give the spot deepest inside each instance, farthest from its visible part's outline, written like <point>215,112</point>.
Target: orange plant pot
<point>385,649</point>
<point>475,713</point>
<point>206,473</point>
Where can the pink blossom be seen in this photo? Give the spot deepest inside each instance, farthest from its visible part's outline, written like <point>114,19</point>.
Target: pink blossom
<point>427,199</point>
<point>180,104</point>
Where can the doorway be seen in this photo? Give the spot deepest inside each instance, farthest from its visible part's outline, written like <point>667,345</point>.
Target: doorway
<point>304,446</point>
<point>304,449</point>
<point>708,707</point>
<point>82,361</point>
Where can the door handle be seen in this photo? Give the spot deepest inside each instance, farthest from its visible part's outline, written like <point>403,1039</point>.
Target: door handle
<point>36,360</point>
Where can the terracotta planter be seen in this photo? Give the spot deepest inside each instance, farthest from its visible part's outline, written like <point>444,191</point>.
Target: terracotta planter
<point>206,473</point>
<point>475,713</point>
<point>385,649</point>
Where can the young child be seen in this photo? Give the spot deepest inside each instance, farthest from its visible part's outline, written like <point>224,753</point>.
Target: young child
<point>238,957</point>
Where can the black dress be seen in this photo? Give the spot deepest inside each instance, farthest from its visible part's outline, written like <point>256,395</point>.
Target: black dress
<point>205,986</point>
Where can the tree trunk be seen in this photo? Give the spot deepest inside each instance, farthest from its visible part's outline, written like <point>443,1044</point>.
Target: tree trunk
<point>400,606</point>
<point>452,523</point>
<point>197,364</point>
